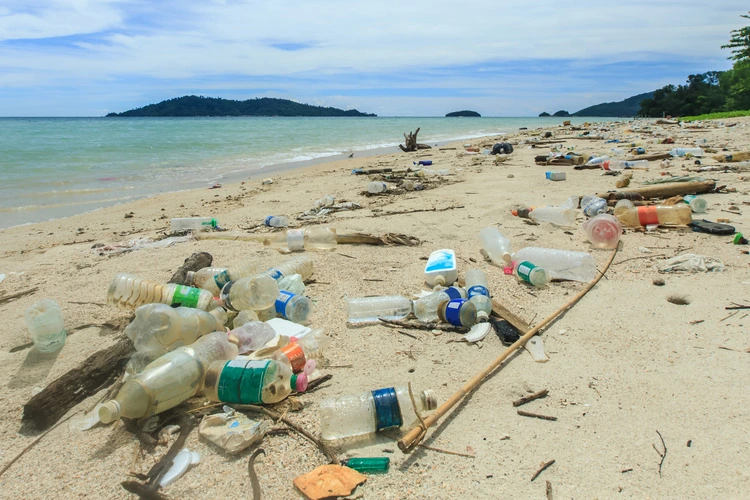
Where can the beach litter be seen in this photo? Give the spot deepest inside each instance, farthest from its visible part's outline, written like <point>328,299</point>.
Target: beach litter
<point>329,481</point>
<point>691,263</point>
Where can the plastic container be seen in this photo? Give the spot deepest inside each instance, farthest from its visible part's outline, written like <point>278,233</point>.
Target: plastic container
<point>245,316</point>
<point>371,309</point>
<point>528,272</point>
<point>597,160</point>
<point>129,291</point>
<point>311,346</point>
<point>560,264</point>
<point>441,268</point>
<point>213,279</point>
<point>326,201</point>
<point>297,240</point>
<point>276,221</point>
<point>293,284</point>
<point>159,328</point>
<point>425,308</point>
<point>251,336</point>
<point>697,205</point>
<point>168,381</point>
<point>193,224</point>
<point>622,206</point>
<point>423,162</point>
<point>593,205</point>
<point>295,308</point>
<point>603,231</point>
<point>45,323</point>
<point>248,381</point>
<point>458,312</point>
<point>254,292</point>
<point>302,265</point>
<point>368,465</point>
<point>497,246</point>
<point>558,216</point>
<point>361,415</point>
<point>478,293</point>
<point>623,164</point>
<point>666,215</point>
<point>376,187</point>
<point>686,151</point>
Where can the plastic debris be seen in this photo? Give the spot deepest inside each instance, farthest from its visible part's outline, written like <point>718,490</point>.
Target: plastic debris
<point>478,332</point>
<point>182,462</point>
<point>535,346</point>
<point>692,263</point>
<point>232,431</point>
<point>329,481</point>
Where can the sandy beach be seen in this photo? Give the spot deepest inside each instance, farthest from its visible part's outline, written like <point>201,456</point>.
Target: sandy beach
<point>626,365</point>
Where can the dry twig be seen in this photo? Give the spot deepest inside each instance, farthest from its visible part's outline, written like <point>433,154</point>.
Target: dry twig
<point>542,468</point>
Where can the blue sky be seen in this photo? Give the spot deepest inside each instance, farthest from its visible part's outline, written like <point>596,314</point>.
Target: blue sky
<point>415,58</point>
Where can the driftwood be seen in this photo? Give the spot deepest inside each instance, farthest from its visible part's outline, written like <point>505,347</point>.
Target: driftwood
<point>195,262</point>
<point>11,296</point>
<point>96,371</point>
<point>654,157</point>
<point>411,144</point>
<point>386,239</point>
<point>662,190</point>
<point>558,160</point>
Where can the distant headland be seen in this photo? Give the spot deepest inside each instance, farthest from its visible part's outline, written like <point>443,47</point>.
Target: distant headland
<point>465,112</point>
<point>215,106</point>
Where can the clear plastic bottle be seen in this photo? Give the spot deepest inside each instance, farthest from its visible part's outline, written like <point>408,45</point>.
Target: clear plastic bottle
<point>326,201</point>
<point>371,309</point>
<point>560,264</point>
<point>276,221</point>
<point>129,291</point>
<point>623,164</point>
<point>250,381</point>
<point>193,224</point>
<point>558,216</point>
<point>622,206</point>
<point>686,151</point>
<point>361,415</point>
<point>478,293</point>
<point>253,292</point>
<point>593,205</point>
<point>597,160</point>
<point>528,272</point>
<point>603,231</point>
<point>497,246</point>
<point>251,336</point>
<point>302,265</point>
<point>458,312</point>
<point>45,323</point>
<point>293,307</point>
<point>213,279</point>
<point>311,346</point>
<point>297,240</point>
<point>168,381</point>
<point>159,328</point>
<point>441,268</point>
<point>425,308</point>
<point>244,316</point>
<point>666,215</point>
<point>292,284</point>
<point>376,187</point>
<point>697,204</point>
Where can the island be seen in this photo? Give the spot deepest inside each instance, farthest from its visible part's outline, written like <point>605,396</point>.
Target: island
<point>214,106</point>
<point>465,112</point>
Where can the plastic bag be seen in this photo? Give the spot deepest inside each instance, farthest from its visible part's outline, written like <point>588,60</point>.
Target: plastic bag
<point>232,431</point>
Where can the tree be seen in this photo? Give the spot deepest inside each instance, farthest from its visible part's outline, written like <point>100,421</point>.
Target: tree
<point>740,42</point>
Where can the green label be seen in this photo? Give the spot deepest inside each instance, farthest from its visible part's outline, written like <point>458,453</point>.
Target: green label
<point>186,296</point>
<point>222,279</point>
<point>241,381</point>
<point>524,270</point>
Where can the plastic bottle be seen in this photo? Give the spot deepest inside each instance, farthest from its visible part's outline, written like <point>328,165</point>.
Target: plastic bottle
<point>593,205</point>
<point>249,381</point>
<point>458,312</point>
<point>45,323</point>
<point>528,272</point>
<point>168,381</point>
<point>311,346</point>
<point>368,465</point>
<point>302,265</point>
<point>244,316</point>
<point>254,292</point>
<point>425,308</point>
<point>497,246</point>
<point>276,221</point>
<point>623,164</point>
<point>324,202</point>
<point>558,216</point>
<point>292,284</point>
<point>603,231</point>
<point>560,264</point>
<point>441,268</point>
<point>697,204</point>
<point>478,293</point>
<point>213,279</point>
<point>371,309</point>
<point>360,415</point>
<point>251,336</point>
<point>597,160</point>
<point>159,328</point>
<point>129,291</point>
<point>657,214</point>
<point>423,162</point>
<point>686,151</point>
<point>297,240</point>
<point>193,224</point>
<point>293,307</point>
<point>376,187</point>
<point>622,206</point>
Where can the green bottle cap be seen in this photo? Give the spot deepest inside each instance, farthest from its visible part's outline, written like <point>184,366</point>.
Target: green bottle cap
<point>739,239</point>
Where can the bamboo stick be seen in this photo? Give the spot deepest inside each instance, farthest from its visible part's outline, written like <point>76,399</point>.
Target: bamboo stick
<point>408,442</point>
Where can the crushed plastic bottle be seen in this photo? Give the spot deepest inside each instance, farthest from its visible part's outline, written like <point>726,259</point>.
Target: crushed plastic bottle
<point>311,346</point>
<point>478,293</point>
<point>425,308</point>
<point>497,246</point>
<point>371,309</point>
<point>324,202</point>
<point>593,205</point>
<point>251,336</point>
<point>560,264</point>
<point>376,187</point>
<point>129,291</point>
<point>666,215</point>
<point>244,316</point>
<point>361,415</point>
<point>297,240</point>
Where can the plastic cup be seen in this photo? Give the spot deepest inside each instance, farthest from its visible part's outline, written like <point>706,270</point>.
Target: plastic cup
<point>45,323</point>
<point>603,231</point>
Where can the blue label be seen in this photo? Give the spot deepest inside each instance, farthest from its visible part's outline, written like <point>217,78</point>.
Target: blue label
<point>387,410</point>
<point>281,301</point>
<point>222,279</point>
<point>440,260</point>
<point>477,290</point>
<point>453,292</point>
<point>275,274</point>
<point>453,311</point>
<point>267,222</point>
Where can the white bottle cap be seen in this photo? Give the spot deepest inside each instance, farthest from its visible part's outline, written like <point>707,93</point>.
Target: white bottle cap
<point>109,411</point>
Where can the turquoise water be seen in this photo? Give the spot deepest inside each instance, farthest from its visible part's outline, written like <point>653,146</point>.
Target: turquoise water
<point>57,167</point>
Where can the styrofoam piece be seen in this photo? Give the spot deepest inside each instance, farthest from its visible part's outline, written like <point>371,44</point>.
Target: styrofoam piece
<point>288,328</point>
<point>535,346</point>
<point>182,462</point>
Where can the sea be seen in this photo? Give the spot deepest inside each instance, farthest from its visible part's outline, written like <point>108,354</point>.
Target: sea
<point>58,167</point>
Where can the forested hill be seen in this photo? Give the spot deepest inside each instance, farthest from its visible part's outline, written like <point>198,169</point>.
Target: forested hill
<point>629,107</point>
<point>214,106</point>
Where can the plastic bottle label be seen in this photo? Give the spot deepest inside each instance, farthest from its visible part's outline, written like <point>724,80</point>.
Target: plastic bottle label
<point>241,381</point>
<point>477,290</point>
<point>647,215</point>
<point>440,260</point>
<point>387,410</point>
<point>225,296</point>
<point>222,279</point>
<point>524,270</point>
<point>295,239</point>
<point>453,311</point>
<point>267,222</point>
<point>275,274</point>
<point>281,301</point>
<point>295,355</point>
<point>186,296</point>
<point>453,292</point>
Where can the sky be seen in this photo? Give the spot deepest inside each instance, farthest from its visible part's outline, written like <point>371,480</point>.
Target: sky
<point>393,58</point>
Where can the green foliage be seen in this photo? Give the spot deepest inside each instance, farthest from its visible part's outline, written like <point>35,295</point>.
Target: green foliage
<point>740,42</point>
<point>544,113</point>
<point>716,116</point>
<point>464,112</point>
<point>212,106</point>
<point>628,107</point>
<point>701,95</point>
<point>562,112</point>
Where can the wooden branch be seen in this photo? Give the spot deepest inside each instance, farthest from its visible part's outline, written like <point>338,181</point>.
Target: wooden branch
<point>96,371</point>
<point>410,142</point>
<point>542,468</point>
<point>6,298</point>
<point>195,262</point>
<point>530,397</point>
<point>536,415</point>
<point>663,190</point>
<point>417,325</point>
<point>386,239</point>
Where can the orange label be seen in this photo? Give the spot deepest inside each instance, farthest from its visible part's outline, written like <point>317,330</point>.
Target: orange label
<point>647,215</point>
<point>295,355</point>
